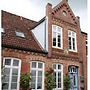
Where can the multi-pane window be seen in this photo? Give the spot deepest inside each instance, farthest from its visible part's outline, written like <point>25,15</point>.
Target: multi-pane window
<point>56,36</point>
<point>37,75</point>
<point>86,47</point>
<point>12,74</point>
<point>72,40</point>
<point>58,76</point>
<point>19,34</point>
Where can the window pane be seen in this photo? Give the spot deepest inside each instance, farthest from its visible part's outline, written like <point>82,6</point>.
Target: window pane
<point>13,85</point>
<point>54,28</point>
<point>59,29</point>
<point>73,39</point>
<point>59,66</point>
<point>74,78</point>
<point>33,64</point>
<point>39,73</point>
<point>14,78</point>
<point>7,61</point>
<point>54,38</point>
<point>5,85</point>
<point>6,79</point>
<point>39,79</point>
<point>33,73</point>
<point>20,34</point>
<point>73,34</point>
<point>69,33</point>
<point>59,85</point>
<point>39,65</point>
<point>39,86</point>
<point>33,79</point>
<point>33,85</point>
<point>7,71</point>
<point>54,66</point>
<point>15,63</point>
<point>14,71</point>
<point>69,42</point>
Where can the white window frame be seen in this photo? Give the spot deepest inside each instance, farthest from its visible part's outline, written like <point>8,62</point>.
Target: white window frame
<point>38,69</point>
<point>72,41</point>
<point>58,70</point>
<point>2,30</point>
<point>61,34</point>
<point>11,67</point>
<point>19,34</point>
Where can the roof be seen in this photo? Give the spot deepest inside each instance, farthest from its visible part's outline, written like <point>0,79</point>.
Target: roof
<point>84,33</point>
<point>12,23</point>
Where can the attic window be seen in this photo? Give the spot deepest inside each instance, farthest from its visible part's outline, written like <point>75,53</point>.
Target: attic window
<point>64,13</point>
<point>19,34</point>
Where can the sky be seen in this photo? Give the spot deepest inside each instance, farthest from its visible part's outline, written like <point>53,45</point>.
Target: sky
<point>35,9</point>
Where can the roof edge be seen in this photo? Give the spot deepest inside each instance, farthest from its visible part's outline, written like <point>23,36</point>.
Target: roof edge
<point>24,49</point>
<point>84,32</point>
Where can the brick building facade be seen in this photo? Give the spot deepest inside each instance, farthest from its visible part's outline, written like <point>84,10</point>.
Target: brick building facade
<point>55,41</point>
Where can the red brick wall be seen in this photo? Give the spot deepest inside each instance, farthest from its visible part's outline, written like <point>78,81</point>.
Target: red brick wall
<point>84,38</point>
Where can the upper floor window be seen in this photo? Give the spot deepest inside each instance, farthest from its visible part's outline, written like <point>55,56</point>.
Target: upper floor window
<point>72,40</point>
<point>37,75</point>
<point>56,36</point>
<point>86,47</point>
<point>19,34</point>
<point>58,76</point>
<point>12,74</point>
<point>2,30</point>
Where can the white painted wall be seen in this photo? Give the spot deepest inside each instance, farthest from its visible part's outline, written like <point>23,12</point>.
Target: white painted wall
<point>41,34</point>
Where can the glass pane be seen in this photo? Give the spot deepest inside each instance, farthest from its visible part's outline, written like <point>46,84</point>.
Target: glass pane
<point>69,33</point>
<point>33,85</point>
<point>6,79</point>
<point>39,73</point>
<point>39,86</point>
<point>74,79</point>
<point>69,42</point>
<point>73,39</point>
<point>5,85</point>
<point>39,65</point>
<point>33,73</point>
<point>7,61</point>
<point>14,78</point>
<point>54,38</point>
<point>13,85</point>
<point>59,29</point>
<point>59,79</point>
<point>33,79</point>
<point>54,28</point>
<point>73,34</point>
<point>33,64</point>
<point>59,66</point>
<point>54,66</point>
<point>59,85</point>
<point>39,79</point>
<point>14,71</point>
<point>15,63</point>
<point>7,71</point>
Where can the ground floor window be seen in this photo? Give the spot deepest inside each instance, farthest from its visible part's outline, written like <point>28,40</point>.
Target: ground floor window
<point>73,73</point>
<point>58,75</point>
<point>12,74</point>
<point>37,75</point>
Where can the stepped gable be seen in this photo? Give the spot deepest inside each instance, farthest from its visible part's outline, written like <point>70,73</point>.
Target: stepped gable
<point>12,23</point>
<point>63,10</point>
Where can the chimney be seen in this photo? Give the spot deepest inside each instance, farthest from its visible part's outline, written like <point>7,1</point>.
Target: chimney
<point>65,0</point>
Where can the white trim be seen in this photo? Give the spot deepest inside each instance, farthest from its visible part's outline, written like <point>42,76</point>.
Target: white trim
<point>61,34</point>
<point>38,69</point>
<point>11,67</point>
